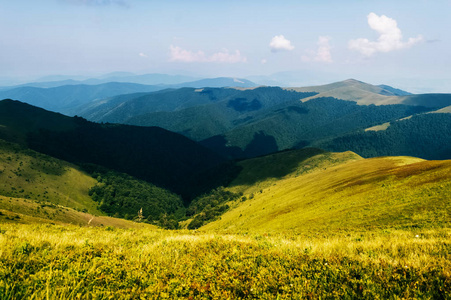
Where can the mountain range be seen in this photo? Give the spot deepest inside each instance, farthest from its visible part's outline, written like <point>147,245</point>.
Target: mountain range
<point>244,123</point>
<point>68,95</point>
<point>185,155</point>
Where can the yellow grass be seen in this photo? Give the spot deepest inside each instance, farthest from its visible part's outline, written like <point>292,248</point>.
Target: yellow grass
<point>379,192</point>
<point>54,262</point>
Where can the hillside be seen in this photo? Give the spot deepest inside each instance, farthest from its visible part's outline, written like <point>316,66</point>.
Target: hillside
<point>366,94</point>
<point>300,124</point>
<point>252,122</point>
<point>36,188</point>
<point>426,135</point>
<point>72,97</point>
<point>31,175</point>
<point>150,153</point>
<point>340,192</point>
<point>187,106</point>
<point>65,99</point>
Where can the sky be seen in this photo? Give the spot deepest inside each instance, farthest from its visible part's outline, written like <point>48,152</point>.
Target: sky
<point>403,43</point>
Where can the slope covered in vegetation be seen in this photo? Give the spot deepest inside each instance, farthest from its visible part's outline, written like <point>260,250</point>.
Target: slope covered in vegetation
<point>71,263</point>
<point>357,193</point>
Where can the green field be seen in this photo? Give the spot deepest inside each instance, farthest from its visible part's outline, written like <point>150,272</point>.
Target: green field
<point>60,262</point>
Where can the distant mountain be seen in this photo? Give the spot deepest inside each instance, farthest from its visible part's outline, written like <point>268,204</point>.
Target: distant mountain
<point>257,121</point>
<point>196,113</point>
<point>394,91</point>
<point>164,158</point>
<point>125,77</point>
<point>218,82</point>
<point>147,79</point>
<point>366,94</point>
<point>297,125</point>
<point>161,80</point>
<point>66,98</point>
<point>69,97</point>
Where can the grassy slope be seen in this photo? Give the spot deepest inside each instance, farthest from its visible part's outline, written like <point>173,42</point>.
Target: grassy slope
<point>356,194</point>
<point>35,188</point>
<point>26,211</point>
<point>353,90</point>
<point>366,94</point>
<point>31,175</point>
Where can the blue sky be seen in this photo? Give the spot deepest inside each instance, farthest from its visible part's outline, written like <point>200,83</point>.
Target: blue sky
<point>405,43</point>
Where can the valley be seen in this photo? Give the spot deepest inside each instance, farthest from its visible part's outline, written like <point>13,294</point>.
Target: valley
<point>201,192</point>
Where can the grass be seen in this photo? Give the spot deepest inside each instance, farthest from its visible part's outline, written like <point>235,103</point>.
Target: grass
<point>31,175</point>
<point>26,211</point>
<point>55,262</point>
<point>363,193</point>
<point>262,172</point>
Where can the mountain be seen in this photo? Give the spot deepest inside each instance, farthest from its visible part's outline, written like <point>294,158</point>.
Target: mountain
<point>70,97</point>
<point>257,121</point>
<point>224,110</point>
<point>300,124</point>
<point>395,91</point>
<point>36,188</point>
<point>156,155</point>
<point>366,94</point>
<point>310,191</point>
<point>426,135</point>
<point>123,77</point>
<point>66,98</point>
<point>218,82</point>
<point>197,113</point>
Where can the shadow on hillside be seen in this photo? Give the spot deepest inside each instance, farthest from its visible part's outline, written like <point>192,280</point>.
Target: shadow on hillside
<point>275,165</point>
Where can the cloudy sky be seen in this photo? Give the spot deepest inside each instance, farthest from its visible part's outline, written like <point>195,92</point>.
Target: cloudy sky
<point>400,42</point>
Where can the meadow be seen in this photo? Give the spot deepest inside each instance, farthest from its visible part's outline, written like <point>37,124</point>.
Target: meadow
<point>72,262</point>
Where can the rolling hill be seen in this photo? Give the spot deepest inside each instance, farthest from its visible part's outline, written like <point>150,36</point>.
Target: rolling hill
<point>331,192</point>
<point>426,135</point>
<point>70,97</point>
<point>65,99</point>
<point>36,188</point>
<point>156,155</point>
<point>366,94</point>
<point>252,122</point>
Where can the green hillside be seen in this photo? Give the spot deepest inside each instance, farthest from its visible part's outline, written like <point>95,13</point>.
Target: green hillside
<point>297,124</point>
<point>344,193</point>
<point>67,98</point>
<point>31,175</point>
<point>426,135</point>
<point>252,122</point>
<point>153,154</point>
<point>366,94</point>
<point>39,188</point>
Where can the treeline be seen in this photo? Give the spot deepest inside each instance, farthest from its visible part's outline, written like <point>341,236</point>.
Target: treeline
<point>209,207</point>
<point>122,196</point>
<point>426,136</point>
<point>297,125</point>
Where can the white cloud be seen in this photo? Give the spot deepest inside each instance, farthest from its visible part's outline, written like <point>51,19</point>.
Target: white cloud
<point>143,55</point>
<point>390,37</point>
<point>279,42</point>
<point>182,55</point>
<point>264,61</point>
<point>322,54</point>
